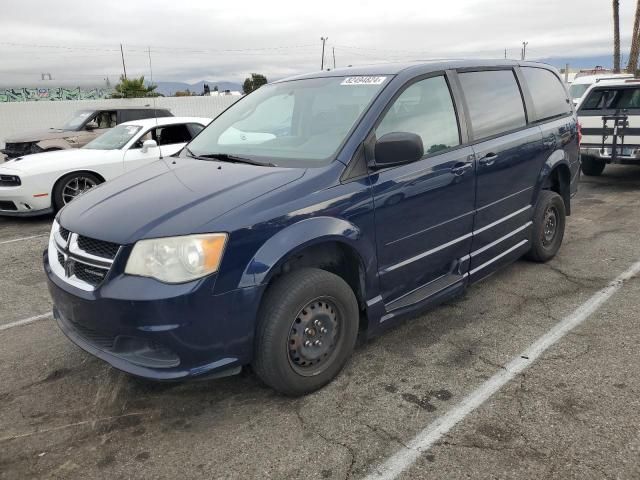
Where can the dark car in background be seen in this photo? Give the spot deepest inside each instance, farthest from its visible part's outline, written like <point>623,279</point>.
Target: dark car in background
<point>84,126</point>
<point>274,240</point>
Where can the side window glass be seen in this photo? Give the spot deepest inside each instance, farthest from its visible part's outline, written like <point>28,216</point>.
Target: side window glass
<point>147,136</point>
<point>173,134</point>
<point>194,129</point>
<point>103,119</point>
<point>494,101</point>
<point>426,109</point>
<point>550,98</point>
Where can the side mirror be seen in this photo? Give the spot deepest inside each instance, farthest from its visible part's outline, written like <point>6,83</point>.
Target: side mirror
<point>148,145</point>
<point>91,126</point>
<point>396,148</point>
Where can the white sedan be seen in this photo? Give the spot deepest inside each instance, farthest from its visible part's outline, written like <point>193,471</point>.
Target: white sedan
<point>45,182</point>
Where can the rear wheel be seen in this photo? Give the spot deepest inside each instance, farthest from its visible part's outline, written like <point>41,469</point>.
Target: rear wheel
<point>592,167</point>
<point>72,185</point>
<point>549,221</point>
<point>307,329</point>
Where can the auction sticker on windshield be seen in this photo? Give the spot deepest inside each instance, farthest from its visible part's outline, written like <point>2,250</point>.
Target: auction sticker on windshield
<point>363,80</point>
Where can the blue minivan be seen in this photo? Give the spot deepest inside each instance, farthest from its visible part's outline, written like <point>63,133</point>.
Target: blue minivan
<point>317,209</point>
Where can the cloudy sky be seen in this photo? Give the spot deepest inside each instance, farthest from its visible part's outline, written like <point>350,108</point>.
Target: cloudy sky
<point>192,40</point>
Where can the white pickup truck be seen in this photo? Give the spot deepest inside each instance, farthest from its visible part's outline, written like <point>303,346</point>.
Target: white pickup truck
<point>609,116</point>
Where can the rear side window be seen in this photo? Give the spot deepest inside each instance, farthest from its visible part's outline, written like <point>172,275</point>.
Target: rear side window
<point>550,99</point>
<point>426,109</point>
<point>132,114</point>
<point>173,134</point>
<point>494,101</point>
<point>612,99</point>
<point>194,128</point>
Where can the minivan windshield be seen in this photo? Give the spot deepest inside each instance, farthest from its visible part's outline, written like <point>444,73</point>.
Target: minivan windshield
<point>296,123</point>
<point>75,122</point>
<point>114,139</point>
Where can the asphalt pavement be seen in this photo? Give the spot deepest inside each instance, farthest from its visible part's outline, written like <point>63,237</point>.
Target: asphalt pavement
<point>573,413</point>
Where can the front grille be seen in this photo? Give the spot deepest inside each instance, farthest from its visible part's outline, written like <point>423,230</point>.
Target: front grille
<point>81,261</point>
<point>10,181</point>
<point>87,273</point>
<point>99,248</point>
<point>64,233</point>
<point>7,205</point>
<point>13,150</point>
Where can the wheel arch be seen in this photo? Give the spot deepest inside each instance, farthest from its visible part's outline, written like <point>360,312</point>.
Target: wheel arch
<point>332,244</point>
<point>83,170</point>
<point>55,184</point>
<point>556,176</point>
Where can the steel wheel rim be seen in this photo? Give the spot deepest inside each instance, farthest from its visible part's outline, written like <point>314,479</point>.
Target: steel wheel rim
<point>314,336</point>
<point>550,226</point>
<point>76,186</point>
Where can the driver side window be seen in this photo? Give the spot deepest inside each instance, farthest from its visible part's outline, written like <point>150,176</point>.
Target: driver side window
<point>426,109</point>
<point>105,119</point>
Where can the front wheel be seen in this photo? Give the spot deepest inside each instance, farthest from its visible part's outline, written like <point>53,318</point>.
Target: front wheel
<point>592,167</point>
<point>72,185</point>
<point>549,220</point>
<point>307,329</point>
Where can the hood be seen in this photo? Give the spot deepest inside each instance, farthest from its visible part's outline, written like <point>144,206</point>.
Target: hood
<point>170,197</point>
<point>38,162</point>
<point>39,135</point>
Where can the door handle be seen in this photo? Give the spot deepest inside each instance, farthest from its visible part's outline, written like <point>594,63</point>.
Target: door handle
<point>460,169</point>
<point>488,160</point>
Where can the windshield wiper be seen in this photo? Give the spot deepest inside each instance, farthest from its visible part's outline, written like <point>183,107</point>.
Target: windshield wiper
<point>225,157</point>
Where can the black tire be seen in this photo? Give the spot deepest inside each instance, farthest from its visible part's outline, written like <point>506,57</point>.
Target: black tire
<point>549,220</point>
<point>592,167</point>
<point>60,198</point>
<point>288,306</point>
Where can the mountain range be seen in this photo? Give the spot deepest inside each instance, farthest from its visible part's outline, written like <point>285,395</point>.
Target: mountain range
<point>170,88</point>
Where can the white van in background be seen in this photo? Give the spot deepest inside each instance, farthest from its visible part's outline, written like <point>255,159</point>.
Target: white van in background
<point>609,115</point>
<point>580,84</point>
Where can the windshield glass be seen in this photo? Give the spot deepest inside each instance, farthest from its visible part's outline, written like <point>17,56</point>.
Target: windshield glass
<point>115,138</point>
<point>296,123</point>
<point>577,90</point>
<point>77,120</point>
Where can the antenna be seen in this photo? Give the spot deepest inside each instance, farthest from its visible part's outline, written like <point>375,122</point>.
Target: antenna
<point>155,110</point>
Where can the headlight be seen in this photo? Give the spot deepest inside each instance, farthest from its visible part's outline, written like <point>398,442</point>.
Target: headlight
<point>177,259</point>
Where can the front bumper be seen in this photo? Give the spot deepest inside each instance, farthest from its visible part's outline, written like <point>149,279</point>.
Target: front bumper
<point>17,201</point>
<point>625,155</point>
<point>159,331</point>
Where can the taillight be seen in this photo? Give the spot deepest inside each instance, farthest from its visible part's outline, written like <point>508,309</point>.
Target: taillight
<point>579,134</point>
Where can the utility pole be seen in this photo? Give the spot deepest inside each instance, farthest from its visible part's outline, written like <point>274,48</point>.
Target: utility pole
<point>333,49</point>
<point>505,53</point>
<point>524,50</point>
<point>323,39</point>
<point>123,65</point>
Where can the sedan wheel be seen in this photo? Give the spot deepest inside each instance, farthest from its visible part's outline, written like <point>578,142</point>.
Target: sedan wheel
<point>76,186</point>
<point>71,186</point>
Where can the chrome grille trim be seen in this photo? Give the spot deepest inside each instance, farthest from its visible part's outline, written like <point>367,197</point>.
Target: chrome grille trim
<point>72,255</point>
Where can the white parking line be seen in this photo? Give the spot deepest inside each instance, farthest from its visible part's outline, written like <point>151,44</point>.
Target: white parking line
<point>26,321</point>
<point>23,238</point>
<point>425,439</point>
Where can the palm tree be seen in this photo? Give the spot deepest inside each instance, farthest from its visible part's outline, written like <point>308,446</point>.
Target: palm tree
<point>134,88</point>
<point>616,36</point>
<point>635,43</point>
